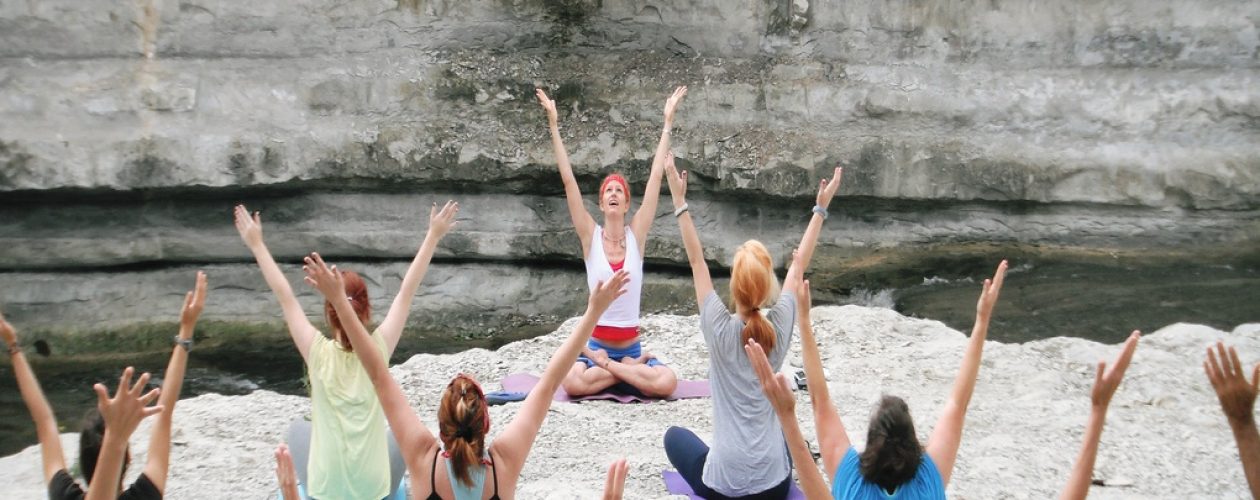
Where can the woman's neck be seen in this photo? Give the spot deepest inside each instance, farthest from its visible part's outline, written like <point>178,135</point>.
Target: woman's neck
<point>614,224</point>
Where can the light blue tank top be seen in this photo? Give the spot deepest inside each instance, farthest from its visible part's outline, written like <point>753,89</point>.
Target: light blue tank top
<point>849,484</point>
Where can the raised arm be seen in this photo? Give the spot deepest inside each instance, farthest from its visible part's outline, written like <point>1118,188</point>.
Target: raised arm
<point>582,220</point>
<point>514,442</point>
<point>1238,401</point>
<point>159,456</point>
<point>642,221</point>
<point>780,395</point>
<point>41,412</point>
<point>300,328</point>
<point>1105,384</point>
<point>413,437</point>
<point>805,250</point>
<point>691,239</point>
<point>943,444</point>
<point>833,439</point>
<point>440,222</point>
<point>122,414</point>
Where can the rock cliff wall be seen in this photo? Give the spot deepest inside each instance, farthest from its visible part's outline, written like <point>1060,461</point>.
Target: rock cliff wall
<point>127,131</point>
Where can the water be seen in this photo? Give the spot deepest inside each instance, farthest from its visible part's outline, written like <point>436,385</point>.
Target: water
<point>1097,299</point>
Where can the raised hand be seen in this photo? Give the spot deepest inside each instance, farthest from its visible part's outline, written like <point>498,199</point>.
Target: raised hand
<point>774,385</point>
<point>286,474</point>
<point>7,333</point>
<point>553,119</point>
<point>989,294</point>
<point>123,412</point>
<point>671,104</point>
<point>827,189</point>
<point>194,303</point>
<point>441,222</point>
<point>250,227</point>
<point>607,291</point>
<point>1228,377</point>
<point>326,279</point>
<point>615,482</point>
<point>1107,380</point>
<point>677,181</point>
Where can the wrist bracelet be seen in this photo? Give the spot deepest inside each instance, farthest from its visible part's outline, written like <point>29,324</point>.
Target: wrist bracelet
<point>679,211</point>
<point>185,343</point>
<point>818,209</point>
<point>15,348</point>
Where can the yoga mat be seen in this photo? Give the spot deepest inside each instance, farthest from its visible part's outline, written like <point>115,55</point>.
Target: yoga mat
<point>687,389</point>
<point>675,483</point>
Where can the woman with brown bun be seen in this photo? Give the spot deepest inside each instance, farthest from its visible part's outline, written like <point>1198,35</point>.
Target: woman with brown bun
<point>458,462</point>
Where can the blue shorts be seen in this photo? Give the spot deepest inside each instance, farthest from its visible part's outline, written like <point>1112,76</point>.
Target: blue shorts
<point>635,350</point>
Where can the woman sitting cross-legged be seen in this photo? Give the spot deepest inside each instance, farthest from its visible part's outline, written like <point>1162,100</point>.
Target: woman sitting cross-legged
<point>458,462</point>
<point>748,458</point>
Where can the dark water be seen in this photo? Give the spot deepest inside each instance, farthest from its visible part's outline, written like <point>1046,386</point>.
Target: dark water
<point>1100,300</point>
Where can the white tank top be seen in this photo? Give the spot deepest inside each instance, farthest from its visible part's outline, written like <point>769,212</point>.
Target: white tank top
<point>624,312</point>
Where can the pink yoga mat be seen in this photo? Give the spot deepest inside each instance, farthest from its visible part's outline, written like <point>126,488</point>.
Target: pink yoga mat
<point>523,382</point>
<point>675,483</point>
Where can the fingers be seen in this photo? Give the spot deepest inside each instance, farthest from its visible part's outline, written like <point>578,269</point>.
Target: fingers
<point>124,382</point>
<point>150,411</point>
<point>188,301</point>
<point>1225,370</point>
<point>102,395</point>
<point>433,211</point>
<point>757,356</point>
<point>1236,364</point>
<point>139,385</point>
<point>1213,368</point>
<point>150,396</point>
<point>999,276</point>
<point>783,385</point>
<point>1126,354</point>
<point>1098,374</point>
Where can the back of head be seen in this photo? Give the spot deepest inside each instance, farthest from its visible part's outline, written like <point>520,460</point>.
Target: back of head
<point>90,439</point>
<point>893,452</point>
<point>752,286</point>
<point>356,291</point>
<point>463,420</point>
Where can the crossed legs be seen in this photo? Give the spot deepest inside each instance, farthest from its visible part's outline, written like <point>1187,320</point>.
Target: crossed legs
<point>653,381</point>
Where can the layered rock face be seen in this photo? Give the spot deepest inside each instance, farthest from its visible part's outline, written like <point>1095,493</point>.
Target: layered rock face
<point>128,130</point>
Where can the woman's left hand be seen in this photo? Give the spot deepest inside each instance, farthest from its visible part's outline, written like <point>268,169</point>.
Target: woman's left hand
<point>326,279</point>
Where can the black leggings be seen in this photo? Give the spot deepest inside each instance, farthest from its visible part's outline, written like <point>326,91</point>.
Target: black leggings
<point>688,454</point>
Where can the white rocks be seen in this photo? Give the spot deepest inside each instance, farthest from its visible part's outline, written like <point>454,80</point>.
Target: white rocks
<point>1165,436</point>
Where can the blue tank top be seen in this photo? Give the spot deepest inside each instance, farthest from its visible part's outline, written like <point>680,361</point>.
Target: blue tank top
<point>849,484</point>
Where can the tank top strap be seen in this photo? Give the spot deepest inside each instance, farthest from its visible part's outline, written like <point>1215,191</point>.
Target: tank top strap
<point>433,495</point>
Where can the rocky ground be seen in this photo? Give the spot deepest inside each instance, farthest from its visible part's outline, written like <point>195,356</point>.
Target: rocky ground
<point>1165,435</point>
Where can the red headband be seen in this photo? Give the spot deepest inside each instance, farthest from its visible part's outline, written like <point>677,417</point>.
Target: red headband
<point>614,178</point>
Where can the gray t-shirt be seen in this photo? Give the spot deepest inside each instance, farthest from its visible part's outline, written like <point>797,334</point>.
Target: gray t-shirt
<point>748,453</point>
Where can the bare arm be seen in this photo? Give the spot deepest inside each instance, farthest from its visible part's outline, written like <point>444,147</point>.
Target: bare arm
<point>514,443</point>
<point>805,250</point>
<point>41,412</point>
<point>1105,384</point>
<point>159,456</point>
<point>440,222</point>
<point>582,220</point>
<point>300,328</point>
<point>412,435</point>
<point>642,221</point>
<point>780,395</point>
<point>122,414</point>
<point>943,444</point>
<point>833,439</point>
<point>1238,399</point>
<point>691,239</point>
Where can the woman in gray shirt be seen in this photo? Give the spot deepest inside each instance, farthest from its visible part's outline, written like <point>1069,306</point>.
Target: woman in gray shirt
<point>749,459</point>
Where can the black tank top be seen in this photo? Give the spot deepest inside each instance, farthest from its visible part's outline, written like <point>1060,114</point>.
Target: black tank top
<point>433,478</point>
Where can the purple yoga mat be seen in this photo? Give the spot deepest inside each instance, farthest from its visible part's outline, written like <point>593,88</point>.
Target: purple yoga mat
<point>675,483</point>
<point>523,382</point>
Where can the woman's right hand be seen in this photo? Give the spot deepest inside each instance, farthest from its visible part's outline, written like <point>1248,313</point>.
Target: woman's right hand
<point>123,412</point>
<point>553,119</point>
<point>827,189</point>
<point>441,222</point>
<point>7,333</point>
<point>249,227</point>
<point>608,291</point>
<point>671,104</point>
<point>326,279</point>
<point>677,181</point>
<point>1228,376</point>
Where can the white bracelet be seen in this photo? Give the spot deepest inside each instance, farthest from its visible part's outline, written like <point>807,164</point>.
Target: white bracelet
<point>679,211</point>
<point>818,209</point>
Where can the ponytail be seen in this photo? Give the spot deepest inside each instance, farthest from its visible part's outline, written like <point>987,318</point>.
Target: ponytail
<point>463,420</point>
<point>752,286</point>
